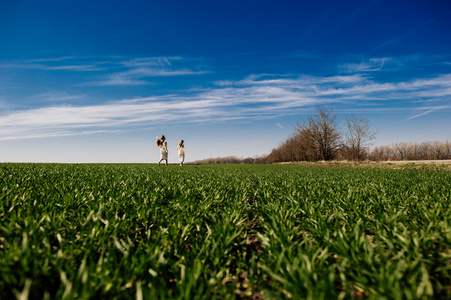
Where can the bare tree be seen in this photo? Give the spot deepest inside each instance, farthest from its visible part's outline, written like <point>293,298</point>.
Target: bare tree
<point>401,150</point>
<point>438,150</point>
<point>447,147</point>
<point>322,128</point>
<point>305,146</point>
<point>358,136</point>
<point>413,151</point>
<point>298,147</point>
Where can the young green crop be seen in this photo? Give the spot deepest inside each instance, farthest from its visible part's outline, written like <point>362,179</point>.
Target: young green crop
<point>223,231</point>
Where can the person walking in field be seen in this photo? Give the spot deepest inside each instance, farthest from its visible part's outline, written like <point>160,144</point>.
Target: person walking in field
<point>181,151</point>
<point>163,145</point>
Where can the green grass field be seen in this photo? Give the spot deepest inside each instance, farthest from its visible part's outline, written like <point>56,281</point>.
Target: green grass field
<point>223,232</point>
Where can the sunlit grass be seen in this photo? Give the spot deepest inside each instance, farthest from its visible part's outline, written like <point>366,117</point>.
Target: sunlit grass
<point>223,231</point>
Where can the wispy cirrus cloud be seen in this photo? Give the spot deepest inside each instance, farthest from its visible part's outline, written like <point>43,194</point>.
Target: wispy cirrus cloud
<point>65,120</point>
<point>340,88</point>
<point>141,68</point>
<point>79,68</point>
<point>56,97</point>
<point>68,63</point>
<point>117,79</point>
<point>422,114</point>
<point>371,65</point>
<point>139,76</point>
<point>111,70</point>
<point>151,61</point>
<point>428,110</point>
<point>255,97</point>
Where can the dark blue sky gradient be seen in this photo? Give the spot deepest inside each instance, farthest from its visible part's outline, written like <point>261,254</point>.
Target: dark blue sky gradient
<point>227,64</point>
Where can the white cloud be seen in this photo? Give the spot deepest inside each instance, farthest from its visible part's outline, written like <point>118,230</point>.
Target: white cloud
<point>151,61</point>
<point>422,114</point>
<point>152,72</point>
<point>429,110</point>
<point>56,97</point>
<point>371,65</point>
<point>258,96</point>
<point>116,80</point>
<point>79,68</point>
<point>112,70</point>
<point>134,72</point>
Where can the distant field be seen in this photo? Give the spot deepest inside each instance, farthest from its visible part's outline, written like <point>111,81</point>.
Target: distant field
<point>99,231</point>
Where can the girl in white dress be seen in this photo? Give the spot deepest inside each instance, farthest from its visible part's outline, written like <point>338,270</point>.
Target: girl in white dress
<point>181,152</point>
<point>163,145</point>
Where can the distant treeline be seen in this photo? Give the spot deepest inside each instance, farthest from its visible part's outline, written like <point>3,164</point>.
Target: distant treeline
<point>232,160</point>
<point>435,150</point>
<point>321,138</point>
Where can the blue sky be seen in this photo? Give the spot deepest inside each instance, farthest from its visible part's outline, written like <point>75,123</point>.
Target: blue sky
<point>96,81</point>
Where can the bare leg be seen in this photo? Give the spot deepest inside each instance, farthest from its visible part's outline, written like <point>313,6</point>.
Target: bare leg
<point>159,162</point>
